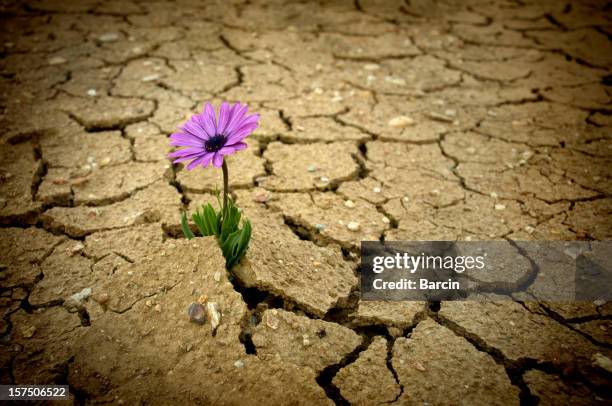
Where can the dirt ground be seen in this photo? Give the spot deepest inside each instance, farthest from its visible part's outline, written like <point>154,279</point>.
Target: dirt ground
<point>394,120</point>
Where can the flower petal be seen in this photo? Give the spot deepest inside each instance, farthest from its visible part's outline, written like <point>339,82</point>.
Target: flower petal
<point>209,120</point>
<point>185,152</point>
<point>217,159</point>
<point>196,162</point>
<point>185,140</point>
<point>239,113</point>
<point>230,149</point>
<point>224,116</point>
<point>207,159</point>
<point>241,133</point>
<point>193,129</point>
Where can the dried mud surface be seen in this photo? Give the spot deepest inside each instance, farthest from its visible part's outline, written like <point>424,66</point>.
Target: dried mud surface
<point>381,120</point>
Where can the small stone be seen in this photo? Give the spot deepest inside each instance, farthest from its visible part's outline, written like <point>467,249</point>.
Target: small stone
<point>108,37</point>
<point>217,276</point>
<point>500,206</point>
<point>312,168</point>
<point>434,192</point>
<point>353,226</point>
<point>419,367</point>
<point>150,78</point>
<point>349,203</point>
<point>272,319</point>
<point>158,308</point>
<point>92,93</point>
<point>82,295</point>
<point>450,113</point>
<point>493,195</point>
<point>324,179</point>
<point>439,117</point>
<point>377,190</point>
<point>395,80</point>
<point>386,220</point>
<point>56,60</point>
<point>105,161</point>
<point>601,361</point>
<point>76,249</point>
<point>401,122</point>
<point>261,196</point>
<point>529,229</point>
<point>599,302</point>
<point>299,128</point>
<point>320,226</point>
<point>196,313</point>
<point>214,315</point>
<point>149,303</point>
<point>371,66</point>
<point>102,298</point>
<point>239,364</point>
<point>28,332</point>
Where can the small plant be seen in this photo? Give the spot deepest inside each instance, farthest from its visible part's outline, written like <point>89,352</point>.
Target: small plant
<point>208,140</point>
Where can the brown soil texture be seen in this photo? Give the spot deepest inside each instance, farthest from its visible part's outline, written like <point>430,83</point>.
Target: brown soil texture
<point>380,120</point>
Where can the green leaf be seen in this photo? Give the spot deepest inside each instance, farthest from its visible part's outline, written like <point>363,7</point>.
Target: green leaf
<point>199,222</point>
<point>236,244</point>
<point>211,218</point>
<point>185,227</point>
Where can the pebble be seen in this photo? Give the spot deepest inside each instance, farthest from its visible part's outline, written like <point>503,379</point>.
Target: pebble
<point>401,122</point>
<point>601,361</point>
<point>158,308</point>
<point>150,78</point>
<point>386,220</point>
<point>239,364</point>
<point>320,226</point>
<point>324,179</point>
<point>149,303</point>
<point>108,37</point>
<point>419,367</point>
<point>376,190</point>
<point>395,80</point>
<point>217,276</point>
<point>299,128</point>
<point>312,168</point>
<point>493,195</point>
<point>439,117</point>
<point>102,298</point>
<point>353,226</point>
<point>349,203</point>
<point>57,60</point>
<point>272,319</point>
<point>196,313</point>
<point>105,161</point>
<point>371,66</point>
<point>500,206</point>
<point>261,197</point>
<point>82,295</point>
<point>92,92</point>
<point>214,315</point>
<point>28,332</point>
<point>529,229</point>
<point>75,249</point>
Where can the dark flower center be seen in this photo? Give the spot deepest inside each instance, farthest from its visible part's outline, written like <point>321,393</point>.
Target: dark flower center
<point>214,143</point>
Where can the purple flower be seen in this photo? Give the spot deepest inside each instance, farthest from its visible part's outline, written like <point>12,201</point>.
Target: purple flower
<point>207,139</point>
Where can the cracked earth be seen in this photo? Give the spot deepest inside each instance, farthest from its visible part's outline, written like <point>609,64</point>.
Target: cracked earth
<point>381,120</point>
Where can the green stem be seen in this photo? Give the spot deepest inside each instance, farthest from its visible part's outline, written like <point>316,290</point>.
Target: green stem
<point>225,188</point>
